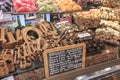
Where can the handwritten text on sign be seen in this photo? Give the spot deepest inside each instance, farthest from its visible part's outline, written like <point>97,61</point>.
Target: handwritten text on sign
<point>66,60</point>
<point>63,59</point>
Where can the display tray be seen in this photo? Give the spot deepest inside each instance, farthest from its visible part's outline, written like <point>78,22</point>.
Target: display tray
<point>73,74</point>
<point>35,65</point>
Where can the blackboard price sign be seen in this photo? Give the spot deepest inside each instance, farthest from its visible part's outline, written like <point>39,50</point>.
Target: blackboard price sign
<point>63,59</point>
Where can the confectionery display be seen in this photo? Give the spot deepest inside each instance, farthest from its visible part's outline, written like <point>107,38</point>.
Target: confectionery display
<point>108,35</point>
<point>101,13</point>
<point>109,13</point>
<point>86,4</point>
<point>94,46</point>
<point>46,6</point>
<point>28,44</point>
<point>65,25</point>
<point>24,6</point>
<point>61,34</point>
<point>67,5</point>
<point>112,24</point>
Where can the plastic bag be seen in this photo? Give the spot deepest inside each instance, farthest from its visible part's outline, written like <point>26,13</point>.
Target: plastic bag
<point>24,6</point>
<point>1,14</point>
<point>6,5</point>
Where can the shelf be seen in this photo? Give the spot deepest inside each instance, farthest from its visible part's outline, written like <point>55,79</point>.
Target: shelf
<point>71,75</point>
<point>3,21</point>
<point>101,74</point>
<point>37,12</point>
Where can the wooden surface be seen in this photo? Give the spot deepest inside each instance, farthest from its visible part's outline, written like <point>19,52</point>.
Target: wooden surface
<point>45,55</point>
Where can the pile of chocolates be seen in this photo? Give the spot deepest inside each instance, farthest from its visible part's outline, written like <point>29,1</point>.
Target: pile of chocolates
<point>87,4</point>
<point>93,46</point>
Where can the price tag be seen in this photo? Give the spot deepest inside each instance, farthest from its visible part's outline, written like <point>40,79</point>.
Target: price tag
<point>48,17</point>
<point>55,16</point>
<point>22,20</point>
<point>30,16</point>
<point>84,35</point>
<point>63,22</point>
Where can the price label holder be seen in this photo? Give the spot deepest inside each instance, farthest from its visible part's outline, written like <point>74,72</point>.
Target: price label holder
<point>48,17</point>
<point>22,20</point>
<point>42,17</point>
<point>63,59</point>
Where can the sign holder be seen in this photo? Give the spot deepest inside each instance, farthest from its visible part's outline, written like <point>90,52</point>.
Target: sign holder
<point>58,49</point>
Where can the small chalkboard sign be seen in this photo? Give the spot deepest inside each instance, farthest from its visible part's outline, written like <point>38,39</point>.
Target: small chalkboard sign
<point>63,59</point>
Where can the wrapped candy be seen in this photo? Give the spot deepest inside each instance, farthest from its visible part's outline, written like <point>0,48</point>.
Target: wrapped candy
<point>46,6</point>
<point>6,5</point>
<point>24,5</point>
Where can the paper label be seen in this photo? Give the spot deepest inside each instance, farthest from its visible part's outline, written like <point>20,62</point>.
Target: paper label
<point>48,17</point>
<point>84,35</point>
<point>63,22</point>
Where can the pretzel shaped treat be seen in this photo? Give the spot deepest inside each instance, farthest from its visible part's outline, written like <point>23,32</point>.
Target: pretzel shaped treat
<point>3,67</point>
<point>8,58</point>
